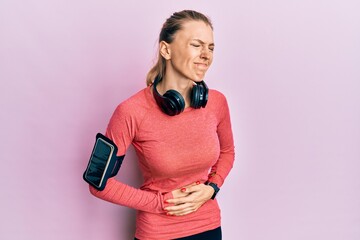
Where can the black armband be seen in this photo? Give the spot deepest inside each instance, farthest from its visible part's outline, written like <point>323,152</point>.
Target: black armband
<point>103,163</point>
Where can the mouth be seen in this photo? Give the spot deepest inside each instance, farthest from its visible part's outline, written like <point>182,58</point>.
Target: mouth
<point>202,66</point>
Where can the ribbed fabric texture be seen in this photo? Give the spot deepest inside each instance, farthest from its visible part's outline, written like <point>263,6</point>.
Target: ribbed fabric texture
<point>173,151</point>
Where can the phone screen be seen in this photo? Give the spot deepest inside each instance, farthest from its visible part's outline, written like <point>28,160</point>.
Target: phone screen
<point>99,162</point>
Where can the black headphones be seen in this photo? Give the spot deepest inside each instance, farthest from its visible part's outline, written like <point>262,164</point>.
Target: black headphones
<point>173,103</point>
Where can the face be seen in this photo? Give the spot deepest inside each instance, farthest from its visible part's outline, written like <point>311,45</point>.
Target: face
<point>190,54</point>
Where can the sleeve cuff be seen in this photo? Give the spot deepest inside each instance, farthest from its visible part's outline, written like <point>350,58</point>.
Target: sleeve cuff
<point>217,179</point>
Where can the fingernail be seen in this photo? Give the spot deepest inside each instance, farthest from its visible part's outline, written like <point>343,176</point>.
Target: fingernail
<point>197,182</point>
<point>165,201</point>
<point>168,214</point>
<point>183,189</point>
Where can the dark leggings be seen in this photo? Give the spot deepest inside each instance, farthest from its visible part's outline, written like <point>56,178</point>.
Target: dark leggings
<point>214,234</point>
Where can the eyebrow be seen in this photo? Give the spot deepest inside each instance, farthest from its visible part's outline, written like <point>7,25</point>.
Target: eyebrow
<point>202,42</point>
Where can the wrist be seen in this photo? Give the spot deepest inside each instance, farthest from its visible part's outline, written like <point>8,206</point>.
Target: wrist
<point>215,187</point>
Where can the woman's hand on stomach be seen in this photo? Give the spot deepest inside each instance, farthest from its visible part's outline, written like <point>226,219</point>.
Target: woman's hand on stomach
<point>188,199</point>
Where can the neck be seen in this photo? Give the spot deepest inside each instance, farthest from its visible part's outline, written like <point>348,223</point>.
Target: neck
<point>182,85</point>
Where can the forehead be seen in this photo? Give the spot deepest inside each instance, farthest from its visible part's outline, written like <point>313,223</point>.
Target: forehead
<point>195,30</point>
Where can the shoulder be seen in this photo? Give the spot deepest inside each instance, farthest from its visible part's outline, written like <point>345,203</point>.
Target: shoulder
<point>216,97</point>
<point>217,104</point>
<point>216,93</point>
<point>133,107</point>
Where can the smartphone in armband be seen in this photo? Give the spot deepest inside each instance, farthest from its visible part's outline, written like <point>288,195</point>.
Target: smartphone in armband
<point>103,163</point>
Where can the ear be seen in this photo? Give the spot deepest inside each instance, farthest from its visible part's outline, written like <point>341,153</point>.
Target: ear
<point>164,48</point>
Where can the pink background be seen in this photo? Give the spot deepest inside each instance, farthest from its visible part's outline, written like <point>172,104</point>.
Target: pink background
<point>290,71</point>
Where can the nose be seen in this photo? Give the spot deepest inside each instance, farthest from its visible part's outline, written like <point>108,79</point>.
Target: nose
<point>205,54</point>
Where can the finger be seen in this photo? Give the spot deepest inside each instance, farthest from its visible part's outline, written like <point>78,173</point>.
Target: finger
<point>193,184</point>
<point>175,210</point>
<point>179,194</point>
<point>184,191</point>
<point>176,201</point>
<point>184,211</point>
<point>178,208</point>
<point>181,200</point>
<point>185,188</point>
<point>194,188</point>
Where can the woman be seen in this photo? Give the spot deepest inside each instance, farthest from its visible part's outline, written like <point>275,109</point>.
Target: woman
<point>182,135</point>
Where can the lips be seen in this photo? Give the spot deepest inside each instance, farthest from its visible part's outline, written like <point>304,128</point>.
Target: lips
<point>203,66</point>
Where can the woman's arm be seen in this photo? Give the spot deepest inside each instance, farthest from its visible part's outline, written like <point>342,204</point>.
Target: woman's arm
<point>225,162</point>
<point>122,129</point>
<point>125,195</point>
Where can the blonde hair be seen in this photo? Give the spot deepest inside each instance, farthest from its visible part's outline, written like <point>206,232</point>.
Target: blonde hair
<point>167,33</point>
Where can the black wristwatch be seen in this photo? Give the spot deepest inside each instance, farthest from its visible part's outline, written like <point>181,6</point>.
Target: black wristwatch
<point>215,187</point>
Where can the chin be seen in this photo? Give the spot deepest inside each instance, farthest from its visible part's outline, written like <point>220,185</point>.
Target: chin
<point>197,77</point>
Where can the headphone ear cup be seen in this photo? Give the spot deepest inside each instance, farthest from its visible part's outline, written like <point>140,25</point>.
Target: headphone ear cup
<point>204,94</point>
<point>195,96</point>
<point>198,96</point>
<point>175,103</point>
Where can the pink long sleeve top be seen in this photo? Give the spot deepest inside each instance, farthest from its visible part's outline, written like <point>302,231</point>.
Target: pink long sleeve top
<point>173,151</point>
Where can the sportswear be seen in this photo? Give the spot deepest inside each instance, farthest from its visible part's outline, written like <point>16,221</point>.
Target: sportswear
<point>173,151</point>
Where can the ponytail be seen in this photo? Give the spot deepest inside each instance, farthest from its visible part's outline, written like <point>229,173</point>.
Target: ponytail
<point>157,70</point>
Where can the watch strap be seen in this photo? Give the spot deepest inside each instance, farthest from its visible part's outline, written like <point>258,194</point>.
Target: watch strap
<point>215,187</point>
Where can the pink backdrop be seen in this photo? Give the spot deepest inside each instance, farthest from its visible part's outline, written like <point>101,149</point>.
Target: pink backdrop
<point>290,70</point>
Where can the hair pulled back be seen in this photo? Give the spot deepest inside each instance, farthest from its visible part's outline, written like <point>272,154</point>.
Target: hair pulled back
<point>170,27</point>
